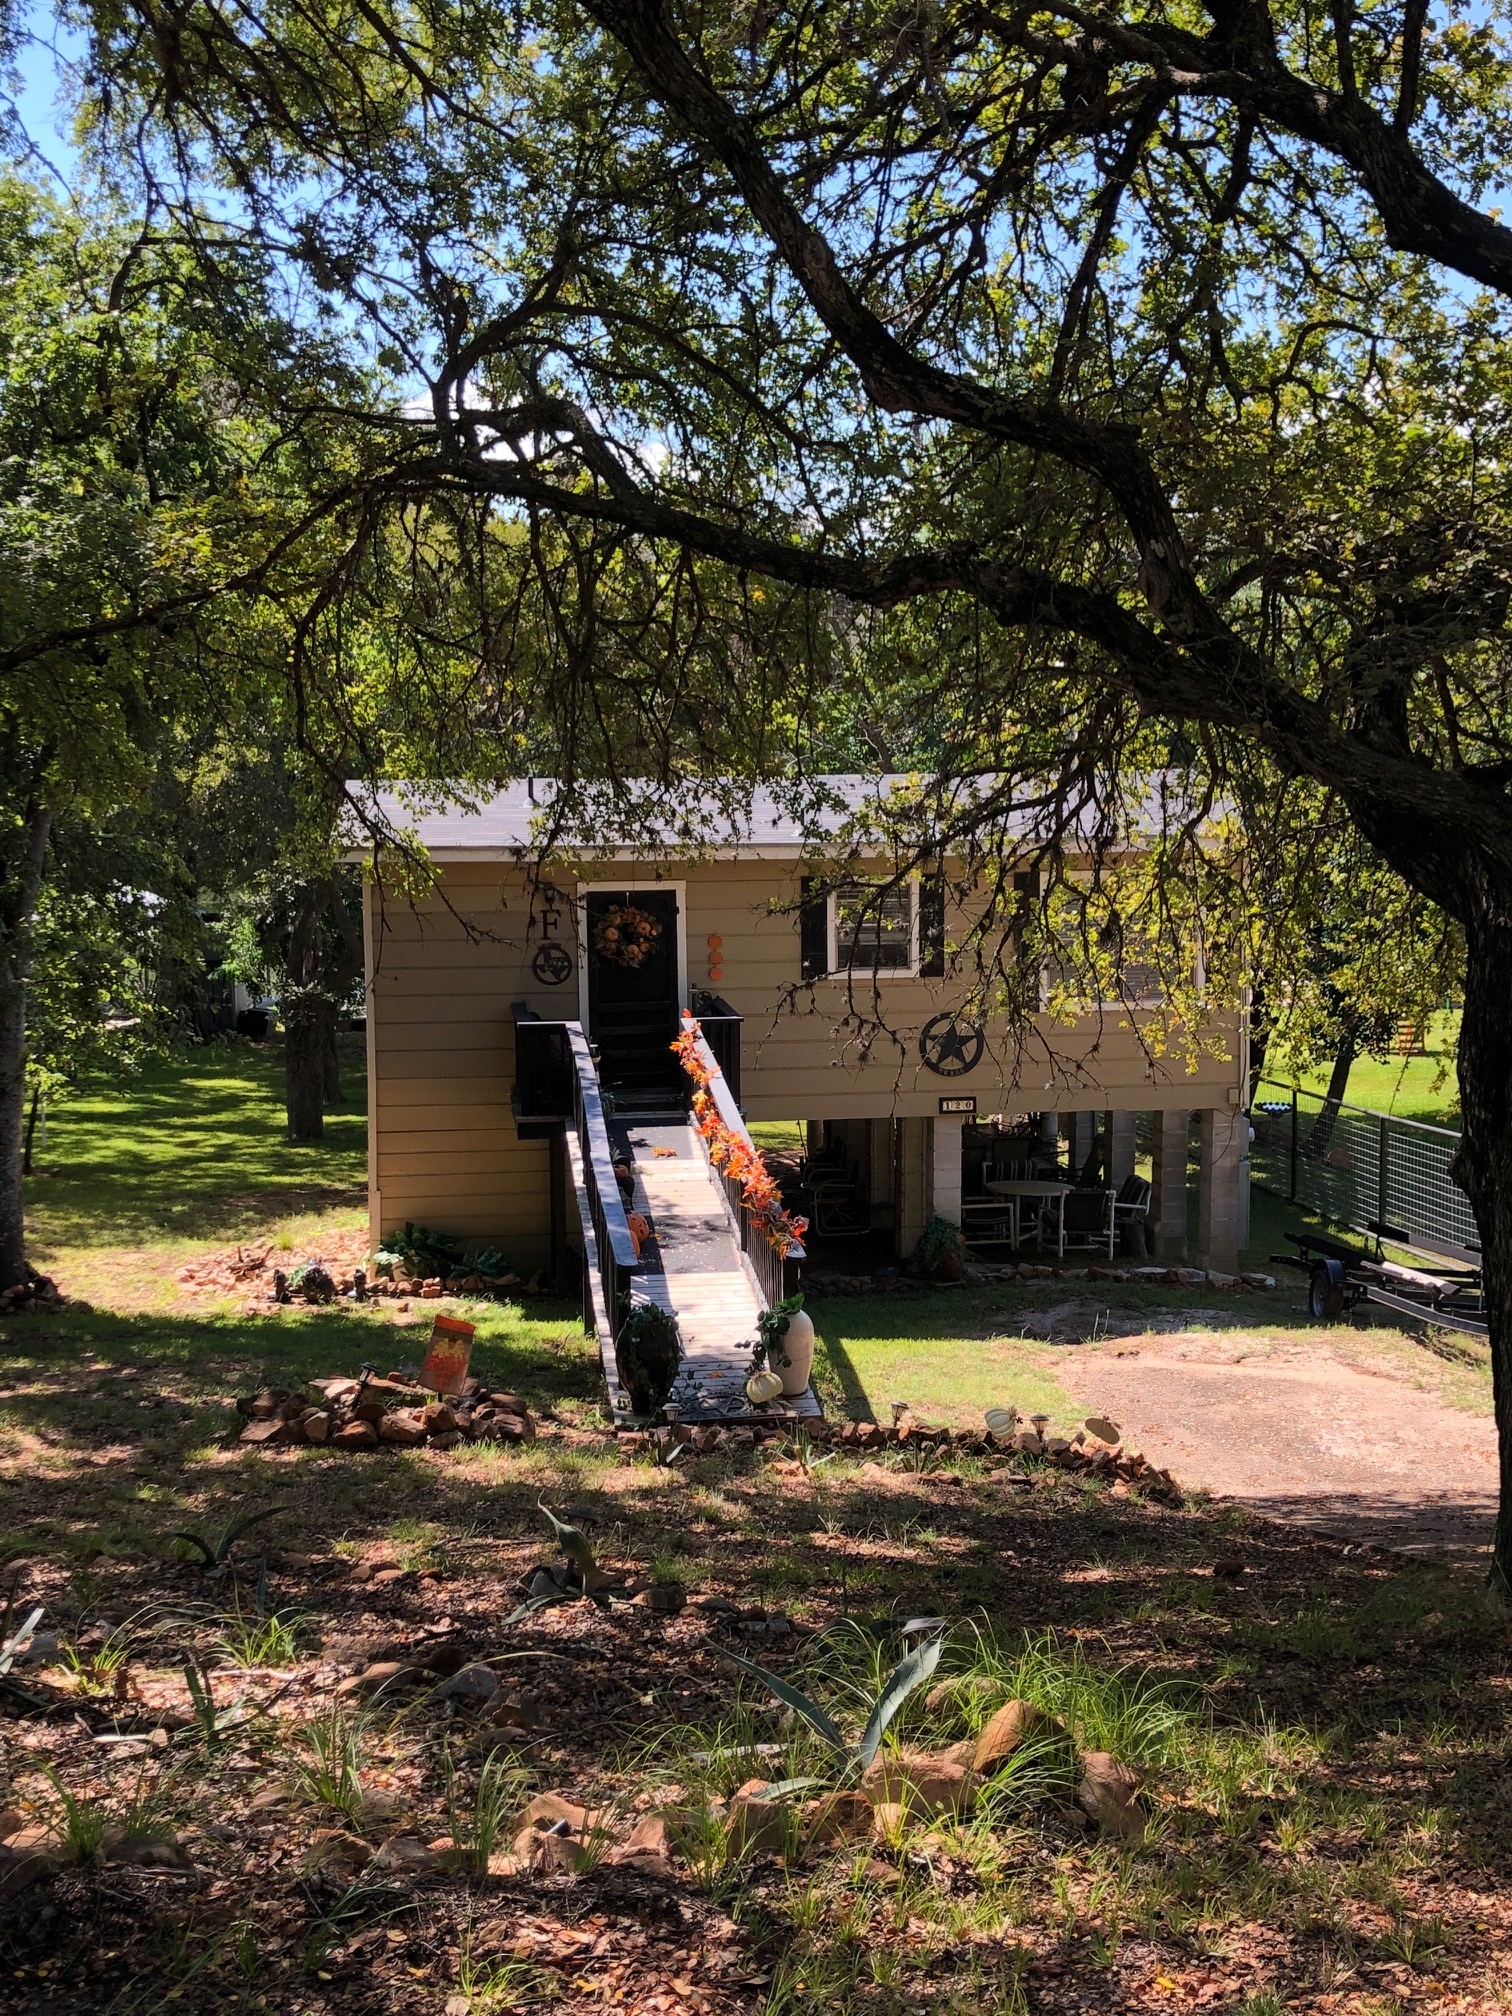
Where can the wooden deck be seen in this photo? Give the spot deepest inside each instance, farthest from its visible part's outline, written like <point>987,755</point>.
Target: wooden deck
<point>696,1270</point>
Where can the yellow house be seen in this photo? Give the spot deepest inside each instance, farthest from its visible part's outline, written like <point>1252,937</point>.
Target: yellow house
<point>510,980</point>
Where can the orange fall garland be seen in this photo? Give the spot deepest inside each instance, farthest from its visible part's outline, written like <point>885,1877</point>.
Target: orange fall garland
<point>734,1157</point>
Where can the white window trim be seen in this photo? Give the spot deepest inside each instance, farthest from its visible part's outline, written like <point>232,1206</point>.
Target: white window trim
<point>832,926</point>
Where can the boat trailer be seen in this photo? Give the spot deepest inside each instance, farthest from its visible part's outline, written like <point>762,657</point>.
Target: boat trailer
<point>1340,1277</point>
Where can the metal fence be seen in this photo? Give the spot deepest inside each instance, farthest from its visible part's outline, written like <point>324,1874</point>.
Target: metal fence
<point>1383,1175</point>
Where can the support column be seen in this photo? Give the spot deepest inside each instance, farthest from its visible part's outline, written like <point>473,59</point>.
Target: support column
<point>1083,1139</point>
<point>1168,1200</point>
<point>1223,1140</point>
<point>912,1189</point>
<point>1118,1147</point>
<point>945,1167</point>
<point>880,1160</point>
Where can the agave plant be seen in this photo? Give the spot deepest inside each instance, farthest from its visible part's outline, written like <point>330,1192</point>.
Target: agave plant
<point>577,1576</point>
<point>215,1556</point>
<point>849,1759</point>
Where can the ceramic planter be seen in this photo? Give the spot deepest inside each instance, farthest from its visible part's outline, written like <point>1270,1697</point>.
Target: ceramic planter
<point>797,1347</point>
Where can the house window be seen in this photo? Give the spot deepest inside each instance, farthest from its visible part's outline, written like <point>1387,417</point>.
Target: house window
<point>874,927</point>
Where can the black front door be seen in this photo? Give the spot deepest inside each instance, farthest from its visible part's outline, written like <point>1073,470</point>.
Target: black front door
<point>632,992</point>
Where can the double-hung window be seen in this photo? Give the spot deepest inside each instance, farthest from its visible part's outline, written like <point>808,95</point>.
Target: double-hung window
<point>874,927</point>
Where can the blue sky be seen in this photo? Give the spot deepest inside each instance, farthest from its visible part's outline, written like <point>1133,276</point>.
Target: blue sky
<point>34,92</point>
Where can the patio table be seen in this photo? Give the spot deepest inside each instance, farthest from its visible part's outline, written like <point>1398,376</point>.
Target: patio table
<point>1017,1188</point>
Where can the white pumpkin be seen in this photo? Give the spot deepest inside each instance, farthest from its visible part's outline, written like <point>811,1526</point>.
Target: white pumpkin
<point>763,1386</point>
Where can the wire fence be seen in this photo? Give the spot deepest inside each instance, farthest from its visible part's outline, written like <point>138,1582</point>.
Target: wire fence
<point>1386,1176</point>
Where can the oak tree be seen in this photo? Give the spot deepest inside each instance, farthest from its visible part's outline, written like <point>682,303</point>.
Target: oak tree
<point>1130,378</point>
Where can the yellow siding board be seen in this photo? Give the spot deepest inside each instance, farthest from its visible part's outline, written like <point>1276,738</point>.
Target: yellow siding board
<point>442,1050</point>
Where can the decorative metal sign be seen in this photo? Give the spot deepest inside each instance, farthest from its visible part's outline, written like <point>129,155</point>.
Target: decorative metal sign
<point>951,1046</point>
<point>552,964</point>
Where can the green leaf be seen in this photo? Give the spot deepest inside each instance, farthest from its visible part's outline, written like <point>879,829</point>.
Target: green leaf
<point>792,1697</point>
<point>908,1674</point>
<point>18,1641</point>
<point>206,1552</point>
<point>785,1788</point>
<point>233,1533</point>
<point>533,1603</point>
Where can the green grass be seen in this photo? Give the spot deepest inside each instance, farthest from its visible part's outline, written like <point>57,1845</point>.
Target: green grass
<point>787,1135</point>
<point>193,1147</point>
<point>1413,1088</point>
<point>953,1354</point>
<point>949,1363</point>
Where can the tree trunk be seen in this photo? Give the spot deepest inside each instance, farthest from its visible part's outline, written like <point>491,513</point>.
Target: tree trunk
<point>1483,1169</point>
<point>308,1023</point>
<point>31,1130</point>
<point>330,1090</point>
<point>18,903</point>
<point>1320,1136</point>
<point>1259,1043</point>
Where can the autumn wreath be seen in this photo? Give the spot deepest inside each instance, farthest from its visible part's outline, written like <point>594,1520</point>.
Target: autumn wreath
<point>626,935</point>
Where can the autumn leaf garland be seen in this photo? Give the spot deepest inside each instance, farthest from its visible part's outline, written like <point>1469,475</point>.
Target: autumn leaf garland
<point>735,1155</point>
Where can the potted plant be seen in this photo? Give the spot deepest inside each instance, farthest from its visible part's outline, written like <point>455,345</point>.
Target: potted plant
<point>940,1254</point>
<point>647,1354</point>
<point>787,1335</point>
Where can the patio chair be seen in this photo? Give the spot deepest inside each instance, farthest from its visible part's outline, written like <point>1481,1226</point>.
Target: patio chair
<point>830,1160</point>
<point>841,1213</point>
<point>1089,1220</point>
<point>987,1221</point>
<point>1131,1213</point>
<point>837,1180</point>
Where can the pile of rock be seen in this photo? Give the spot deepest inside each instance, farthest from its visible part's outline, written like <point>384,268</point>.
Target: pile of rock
<point>37,1291</point>
<point>1146,1276</point>
<point>555,1835</point>
<point>1183,1277</point>
<point>1098,1455</point>
<point>1086,1450</point>
<point>432,1287</point>
<point>341,1270</point>
<point>367,1413</point>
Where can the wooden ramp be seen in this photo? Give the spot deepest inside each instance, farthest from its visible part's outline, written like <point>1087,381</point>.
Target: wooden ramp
<point>695,1268</point>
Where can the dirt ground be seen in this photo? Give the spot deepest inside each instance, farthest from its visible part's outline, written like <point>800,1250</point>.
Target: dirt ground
<point>1291,1429</point>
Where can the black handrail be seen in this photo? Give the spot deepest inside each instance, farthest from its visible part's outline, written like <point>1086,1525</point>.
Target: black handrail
<point>616,1255</point>
<point>557,1084</point>
<point>720,1024</point>
<point>776,1273</point>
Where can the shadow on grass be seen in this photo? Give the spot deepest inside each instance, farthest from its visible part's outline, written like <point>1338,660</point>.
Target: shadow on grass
<point>192,1147</point>
<point>104,1410</point>
<point>119,1430</point>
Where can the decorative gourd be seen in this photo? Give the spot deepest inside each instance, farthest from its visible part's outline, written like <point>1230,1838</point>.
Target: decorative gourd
<point>763,1386</point>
